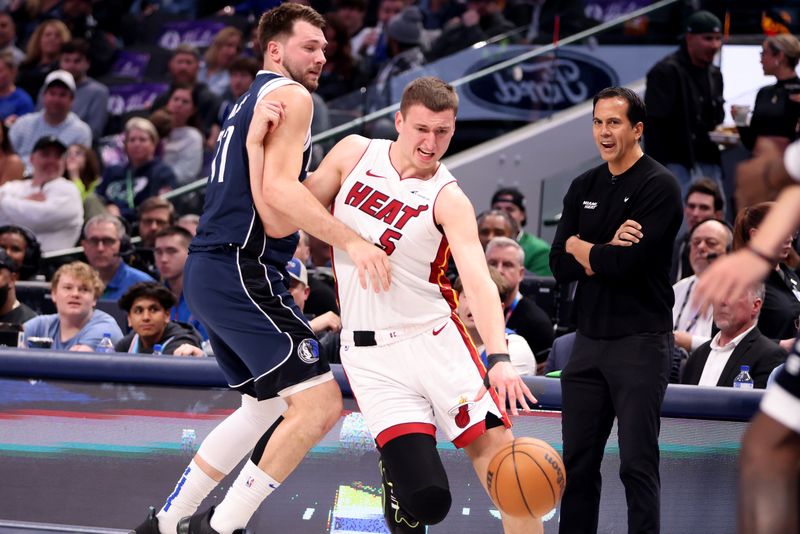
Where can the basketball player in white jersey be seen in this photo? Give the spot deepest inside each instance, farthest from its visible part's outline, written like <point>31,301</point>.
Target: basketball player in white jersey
<point>408,357</point>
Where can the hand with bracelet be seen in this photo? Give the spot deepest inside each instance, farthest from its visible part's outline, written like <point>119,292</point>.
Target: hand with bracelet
<point>502,376</point>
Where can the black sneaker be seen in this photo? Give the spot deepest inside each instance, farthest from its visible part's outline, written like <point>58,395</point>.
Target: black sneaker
<point>398,520</point>
<point>149,526</point>
<point>200,523</point>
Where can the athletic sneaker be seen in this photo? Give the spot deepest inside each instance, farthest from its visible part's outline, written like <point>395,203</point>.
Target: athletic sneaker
<point>398,520</point>
<point>200,523</point>
<point>149,526</point>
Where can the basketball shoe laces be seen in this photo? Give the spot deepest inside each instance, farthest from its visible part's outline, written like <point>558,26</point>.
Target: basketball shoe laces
<point>395,515</point>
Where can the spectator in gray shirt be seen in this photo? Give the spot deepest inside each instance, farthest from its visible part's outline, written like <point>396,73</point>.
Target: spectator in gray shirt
<point>91,97</point>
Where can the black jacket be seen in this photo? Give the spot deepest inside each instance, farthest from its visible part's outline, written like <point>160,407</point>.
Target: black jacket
<point>532,323</point>
<point>175,335</point>
<point>755,350</point>
<point>781,308</point>
<point>630,292</point>
<point>683,103</point>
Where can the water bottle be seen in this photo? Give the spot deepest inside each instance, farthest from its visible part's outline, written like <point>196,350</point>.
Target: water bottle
<point>743,379</point>
<point>105,345</point>
<point>158,350</point>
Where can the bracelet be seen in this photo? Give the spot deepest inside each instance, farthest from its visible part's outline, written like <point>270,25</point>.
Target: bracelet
<point>491,361</point>
<point>759,254</point>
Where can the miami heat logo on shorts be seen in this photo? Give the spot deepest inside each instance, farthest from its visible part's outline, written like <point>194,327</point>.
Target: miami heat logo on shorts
<point>308,350</point>
<point>460,412</point>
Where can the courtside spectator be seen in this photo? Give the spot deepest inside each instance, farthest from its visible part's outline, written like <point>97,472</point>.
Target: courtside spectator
<point>182,149</point>
<point>537,251</point>
<point>215,70</point>
<point>189,222</point>
<point>47,203</point>
<point>12,311</point>
<point>703,201</point>
<point>83,169</point>
<point>55,118</point>
<point>76,325</point>
<point>105,243</point>
<point>496,223</point>
<point>23,247</point>
<point>147,305</point>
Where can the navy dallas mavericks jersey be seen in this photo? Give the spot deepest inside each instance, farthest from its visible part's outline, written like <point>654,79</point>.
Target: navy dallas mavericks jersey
<point>229,216</point>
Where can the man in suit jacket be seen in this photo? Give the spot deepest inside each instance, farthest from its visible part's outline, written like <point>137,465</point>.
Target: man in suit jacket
<point>738,342</point>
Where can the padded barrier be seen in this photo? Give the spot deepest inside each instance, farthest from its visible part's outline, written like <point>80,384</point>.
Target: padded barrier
<point>681,401</point>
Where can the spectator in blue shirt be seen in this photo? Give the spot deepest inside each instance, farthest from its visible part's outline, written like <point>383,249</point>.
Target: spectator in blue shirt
<point>14,102</point>
<point>105,243</point>
<point>76,325</point>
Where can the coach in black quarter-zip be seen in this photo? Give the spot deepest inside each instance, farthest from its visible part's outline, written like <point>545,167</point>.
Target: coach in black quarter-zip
<point>615,238</point>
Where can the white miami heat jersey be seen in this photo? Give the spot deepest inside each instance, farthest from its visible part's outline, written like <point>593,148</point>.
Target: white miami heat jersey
<point>396,214</point>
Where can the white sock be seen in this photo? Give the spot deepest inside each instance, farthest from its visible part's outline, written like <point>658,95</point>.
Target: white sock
<point>248,491</point>
<point>193,486</point>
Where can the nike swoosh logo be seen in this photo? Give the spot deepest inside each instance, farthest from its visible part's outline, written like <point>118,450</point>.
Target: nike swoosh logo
<point>626,198</point>
<point>436,331</point>
<point>372,174</point>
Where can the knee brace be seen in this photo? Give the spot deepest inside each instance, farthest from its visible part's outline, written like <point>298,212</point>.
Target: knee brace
<point>419,478</point>
<point>234,437</point>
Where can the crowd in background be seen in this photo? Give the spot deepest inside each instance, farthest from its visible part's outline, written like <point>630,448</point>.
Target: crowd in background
<point>56,191</point>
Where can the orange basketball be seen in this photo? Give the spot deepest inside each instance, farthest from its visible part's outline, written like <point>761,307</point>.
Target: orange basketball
<point>526,478</point>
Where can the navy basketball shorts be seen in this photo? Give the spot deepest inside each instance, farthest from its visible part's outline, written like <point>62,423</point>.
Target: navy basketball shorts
<point>261,339</point>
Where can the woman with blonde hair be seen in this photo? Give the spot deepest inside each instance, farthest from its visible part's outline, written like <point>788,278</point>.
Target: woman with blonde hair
<point>76,325</point>
<point>126,186</point>
<point>42,55</point>
<point>224,48</point>
<point>777,108</point>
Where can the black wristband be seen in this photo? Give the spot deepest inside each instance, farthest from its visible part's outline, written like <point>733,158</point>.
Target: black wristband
<point>758,253</point>
<point>491,361</point>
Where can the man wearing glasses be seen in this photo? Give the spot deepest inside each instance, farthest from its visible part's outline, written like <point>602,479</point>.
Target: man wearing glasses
<point>105,242</point>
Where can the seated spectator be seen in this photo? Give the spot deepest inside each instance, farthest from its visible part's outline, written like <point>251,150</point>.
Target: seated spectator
<point>708,240</point>
<point>482,20</point>
<point>189,222</point>
<point>523,315</point>
<point>12,311</point>
<point>339,74</point>
<point>55,119</point>
<point>703,201</point>
<point>8,36</point>
<point>126,186</point>
<point>155,214</point>
<point>315,255</point>
<point>147,305</point>
<point>243,71</point>
<point>91,97</point>
<point>22,246</point>
<point>83,169</point>
<point>184,67</point>
<point>14,102</point>
<point>350,13</point>
<point>77,325</point>
<point>738,342</point>
<point>369,45</point>
<point>537,251</point>
<point>105,243</point>
<point>496,223</point>
<point>171,251</point>
<point>299,289</point>
<point>11,165</point>
<point>47,203</point>
<point>521,356</point>
<point>225,46</point>
<point>782,300</point>
<point>404,52</point>
<point>80,18</point>
<point>182,149</point>
<point>41,57</point>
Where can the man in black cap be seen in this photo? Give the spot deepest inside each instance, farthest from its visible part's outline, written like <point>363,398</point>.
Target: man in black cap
<point>684,103</point>
<point>11,310</point>
<point>537,251</point>
<point>48,204</point>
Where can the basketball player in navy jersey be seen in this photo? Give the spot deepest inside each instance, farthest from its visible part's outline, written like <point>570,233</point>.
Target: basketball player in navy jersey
<point>234,284</point>
<point>770,459</point>
<point>408,356</point>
